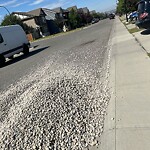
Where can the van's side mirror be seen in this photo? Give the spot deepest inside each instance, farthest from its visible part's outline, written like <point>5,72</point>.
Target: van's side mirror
<point>1,39</point>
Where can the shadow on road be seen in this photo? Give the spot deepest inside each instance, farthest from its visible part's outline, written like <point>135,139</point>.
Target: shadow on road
<point>21,57</point>
<point>146,32</point>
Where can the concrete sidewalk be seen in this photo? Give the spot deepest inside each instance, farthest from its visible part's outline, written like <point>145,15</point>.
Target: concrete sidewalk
<point>127,124</point>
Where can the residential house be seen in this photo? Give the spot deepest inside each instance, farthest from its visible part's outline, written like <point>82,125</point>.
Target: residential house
<point>51,19</point>
<point>46,21</point>
<point>87,16</point>
<point>86,10</point>
<point>92,12</point>
<point>62,17</point>
<point>82,16</point>
<point>72,8</point>
<point>95,15</point>
<point>41,19</point>
<point>84,13</point>
<point>30,20</point>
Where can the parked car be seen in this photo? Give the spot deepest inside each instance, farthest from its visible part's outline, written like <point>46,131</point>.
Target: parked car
<point>13,40</point>
<point>133,16</point>
<point>111,16</point>
<point>143,20</point>
<point>95,20</point>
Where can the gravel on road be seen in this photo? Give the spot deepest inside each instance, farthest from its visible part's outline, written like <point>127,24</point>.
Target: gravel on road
<point>60,106</point>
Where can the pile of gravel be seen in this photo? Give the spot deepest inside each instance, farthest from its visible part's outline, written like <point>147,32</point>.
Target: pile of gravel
<point>61,110</point>
<point>67,113</point>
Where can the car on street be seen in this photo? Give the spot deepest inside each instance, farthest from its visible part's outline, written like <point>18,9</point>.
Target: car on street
<point>95,20</point>
<point>13,40</point>
<point>111,16</point>
<point>143,20</point>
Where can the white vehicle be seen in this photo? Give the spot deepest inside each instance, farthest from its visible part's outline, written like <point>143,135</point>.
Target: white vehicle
<point>13,40</point>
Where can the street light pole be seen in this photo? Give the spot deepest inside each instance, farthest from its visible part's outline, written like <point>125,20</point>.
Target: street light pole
<point>8,12</point>
<point>6,9</point>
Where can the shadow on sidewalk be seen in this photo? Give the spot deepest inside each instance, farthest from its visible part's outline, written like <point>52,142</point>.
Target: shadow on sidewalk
<point>146,32</point>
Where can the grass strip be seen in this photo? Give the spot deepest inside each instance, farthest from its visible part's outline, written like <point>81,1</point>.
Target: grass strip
<point>133,30</point>
<point>148,54</point>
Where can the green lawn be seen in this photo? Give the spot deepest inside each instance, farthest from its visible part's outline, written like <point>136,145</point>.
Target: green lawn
<point>133,30</point>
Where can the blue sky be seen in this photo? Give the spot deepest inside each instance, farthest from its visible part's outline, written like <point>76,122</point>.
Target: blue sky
<point>27,5</point>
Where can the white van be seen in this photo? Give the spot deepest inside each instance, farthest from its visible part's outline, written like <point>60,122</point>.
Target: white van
<point>13,40</point>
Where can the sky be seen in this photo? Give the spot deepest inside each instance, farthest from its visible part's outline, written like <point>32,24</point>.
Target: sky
<point>27,5</point>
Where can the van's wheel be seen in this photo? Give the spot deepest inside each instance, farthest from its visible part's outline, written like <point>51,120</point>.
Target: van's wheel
<point>25,49</point>
<point>2,60</point>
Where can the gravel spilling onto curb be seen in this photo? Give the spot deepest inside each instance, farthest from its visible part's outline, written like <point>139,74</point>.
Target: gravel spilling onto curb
<point>57,108</point>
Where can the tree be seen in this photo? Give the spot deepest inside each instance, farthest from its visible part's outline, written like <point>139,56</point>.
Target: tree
<point>132,5</point>
<point>124,6</point>
<point>100,15</point>
<point>95,15</point>
<point>121,7</point>
<point>88,18</point>
<point>13,20</point>
<point>74,19</point>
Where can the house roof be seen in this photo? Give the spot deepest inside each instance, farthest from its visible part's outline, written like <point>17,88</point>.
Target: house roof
<point>25,16</point>
<point>36,12</point>
<point>65,10</point>
<point>93,12</point>
<point>23,13</point>
<point>58,10</point>
<point>85,10</point>
<point>50,14</point>
<point>73,7</point>
<point>33,13</point>
<point>80,10</point>
<point>48,10</point>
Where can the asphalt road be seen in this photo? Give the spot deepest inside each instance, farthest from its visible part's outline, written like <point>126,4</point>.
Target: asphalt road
<point>56,92</point>
<point>45,50</point>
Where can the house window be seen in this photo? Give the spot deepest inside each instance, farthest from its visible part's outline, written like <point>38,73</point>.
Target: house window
<point>1,39</point>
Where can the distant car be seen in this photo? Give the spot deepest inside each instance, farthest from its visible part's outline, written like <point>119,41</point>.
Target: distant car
<point>143,20</point>
<point>95,20</point>
<point>111,16</point>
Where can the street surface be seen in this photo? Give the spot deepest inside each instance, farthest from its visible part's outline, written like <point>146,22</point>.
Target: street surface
<point>56,97</point>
